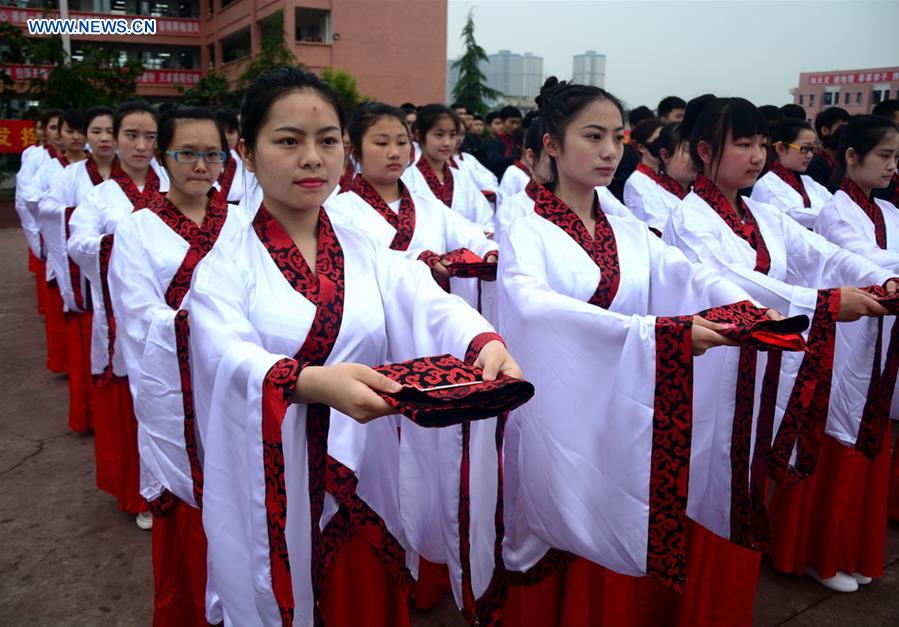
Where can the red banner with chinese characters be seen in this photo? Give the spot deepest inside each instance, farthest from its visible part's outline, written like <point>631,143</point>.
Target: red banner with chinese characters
<point>887,75</point>
<point>16,135</point>
<point>187,78</point>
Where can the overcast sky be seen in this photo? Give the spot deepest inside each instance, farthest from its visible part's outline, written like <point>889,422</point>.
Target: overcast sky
<point>754,49</point>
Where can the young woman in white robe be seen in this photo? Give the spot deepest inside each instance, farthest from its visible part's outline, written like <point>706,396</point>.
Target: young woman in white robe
<point>157,248</point>
<point>378,202</point>
<point>289,486</point>
<point>36,186</point>
<point>602,313</point>
<point>783,266</point>
<point>785,186</point>
<point>838,515</point>
<point>67,190</point>
<point>436,129</point>
<point>232,180</point>
<point>132,182</point>
<point>640,188</point>
<point>465,162</point>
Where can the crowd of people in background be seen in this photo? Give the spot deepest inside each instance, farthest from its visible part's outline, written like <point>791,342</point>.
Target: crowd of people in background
<point>251,305</point>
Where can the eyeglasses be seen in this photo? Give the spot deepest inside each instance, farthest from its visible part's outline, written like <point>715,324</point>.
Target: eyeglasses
<point>191,156</point>
<point>806,150</point>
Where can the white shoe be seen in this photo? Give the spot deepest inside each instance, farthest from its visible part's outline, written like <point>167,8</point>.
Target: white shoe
<point>841,582</point>
<point>144,520</point>
<point>861,579</point>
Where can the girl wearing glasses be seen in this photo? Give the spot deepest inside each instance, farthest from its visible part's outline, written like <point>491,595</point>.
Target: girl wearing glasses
<point>785,185</point>
<point>132,182</point>
<point>157,248</point>
<point>784,266</point>
<point>839,513</point>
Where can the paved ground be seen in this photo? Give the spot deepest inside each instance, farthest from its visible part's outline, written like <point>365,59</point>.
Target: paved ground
<point>68,557</point>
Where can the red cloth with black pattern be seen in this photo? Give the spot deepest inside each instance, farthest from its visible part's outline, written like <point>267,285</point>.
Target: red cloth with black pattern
<point>793,180</point>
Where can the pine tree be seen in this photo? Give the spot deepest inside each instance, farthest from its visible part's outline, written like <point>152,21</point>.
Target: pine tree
<point>471,89</point>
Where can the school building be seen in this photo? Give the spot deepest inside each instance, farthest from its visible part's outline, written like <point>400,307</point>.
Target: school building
<point>396,49</point>
<point>857,91</point>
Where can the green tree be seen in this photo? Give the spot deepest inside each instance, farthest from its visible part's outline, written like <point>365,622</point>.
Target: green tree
<point>274,52</point>
<point>471,89</point>
<point>344,84</point>
<point>212,89</point>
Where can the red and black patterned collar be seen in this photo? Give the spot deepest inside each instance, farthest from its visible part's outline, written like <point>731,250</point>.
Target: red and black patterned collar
<point>453,163</point>
<point>747,229</point>
<point>93,171</point>
<point>642,168</point>
<point>403,220</point>
<point>672,186</point>
<point>63,160</point>
<point>531,189</point>
<point>201,238</point>
<point>521,166</point>
<point>871,209</point>
<point>793,180</point>
<point>52,152</point>
<point>602,247</point>
<point>137,198</point>
<point>226,177</point>
<point>443,191</point>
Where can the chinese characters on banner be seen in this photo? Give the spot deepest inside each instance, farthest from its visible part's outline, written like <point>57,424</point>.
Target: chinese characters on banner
<point>187,78</point>
<point>853,78</point>
<point>16,135</point>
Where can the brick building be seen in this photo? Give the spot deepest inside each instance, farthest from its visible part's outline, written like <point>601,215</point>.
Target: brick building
<point>396,49</point>
<point>857,91</point>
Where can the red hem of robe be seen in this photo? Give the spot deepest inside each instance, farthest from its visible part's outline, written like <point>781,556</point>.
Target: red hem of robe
<point>55,324</point>
<point>836,519</point>
<point>115,445</point>
<point>78,345</point>
<point>179,568</point>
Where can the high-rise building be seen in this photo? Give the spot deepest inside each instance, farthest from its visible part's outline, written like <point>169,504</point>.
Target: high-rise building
<point>194,37</point>
<point>515,75</point>
<point>590,69</point>
<point>857,91</point>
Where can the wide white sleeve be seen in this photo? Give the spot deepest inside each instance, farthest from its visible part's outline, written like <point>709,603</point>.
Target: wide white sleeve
<point>51,218</point>
<point>705,245</point>
<point>147,339</point>
<point>86,231</point>
<point>230,368</point>
<point>840,228</point>
<point>763,192</point>
<point>476,205</point>
<point>815,262</point>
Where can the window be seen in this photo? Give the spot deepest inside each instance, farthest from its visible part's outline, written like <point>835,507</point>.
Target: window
<point>876,96</point>
<point>828,97</point>
<point>236,45</point>
<point>846,99</point>
<point>801,99</point>
<point>811,100</point>
<point>858,97</point>
<point>210,50</point>
<point>313,25</point>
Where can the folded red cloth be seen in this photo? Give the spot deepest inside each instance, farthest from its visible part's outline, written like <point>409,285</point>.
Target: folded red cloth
<point>442,390</point>
<point>889,301</point>
<point>750,326</point>
<point>491,196</point>
<point>464,264</point>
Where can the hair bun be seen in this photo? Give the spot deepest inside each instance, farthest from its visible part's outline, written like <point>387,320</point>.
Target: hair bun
<point>550,85</point>
<point>694,109</point>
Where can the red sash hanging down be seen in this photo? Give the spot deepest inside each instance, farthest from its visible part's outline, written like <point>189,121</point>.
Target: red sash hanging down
<point>673,405</point>
<point>226,178</point>
<point>875,415</point>
<point>138,200</point>
<point>443,191</point>
<point>793,180</point>
<point>806,412</point>
<point>201,240</point>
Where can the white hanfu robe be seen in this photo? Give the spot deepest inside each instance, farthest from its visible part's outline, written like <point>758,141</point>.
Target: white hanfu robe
<point>596,463</point>
<point>647,199</point>
<point>68,189</point>
<point>233,179</point>
<point>458,192</point>
<point>800,264</point>
<point>253,326</point>
<point>773,189</point>
<point>484,179</point>
<point>514,180</point>
<point>845,222</point>
<point>418,226</point>
<point>92,226</point>
<point>32,158</point>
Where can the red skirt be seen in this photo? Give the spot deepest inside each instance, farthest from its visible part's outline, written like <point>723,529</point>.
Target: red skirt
<point>358,591</point>
<point>39,269</point>
<point>55,323</point>
<point>115,445</point>
<point>78,353</point>
<point>432,585</point>
<point>179,568</point>
<point>836,519</point>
